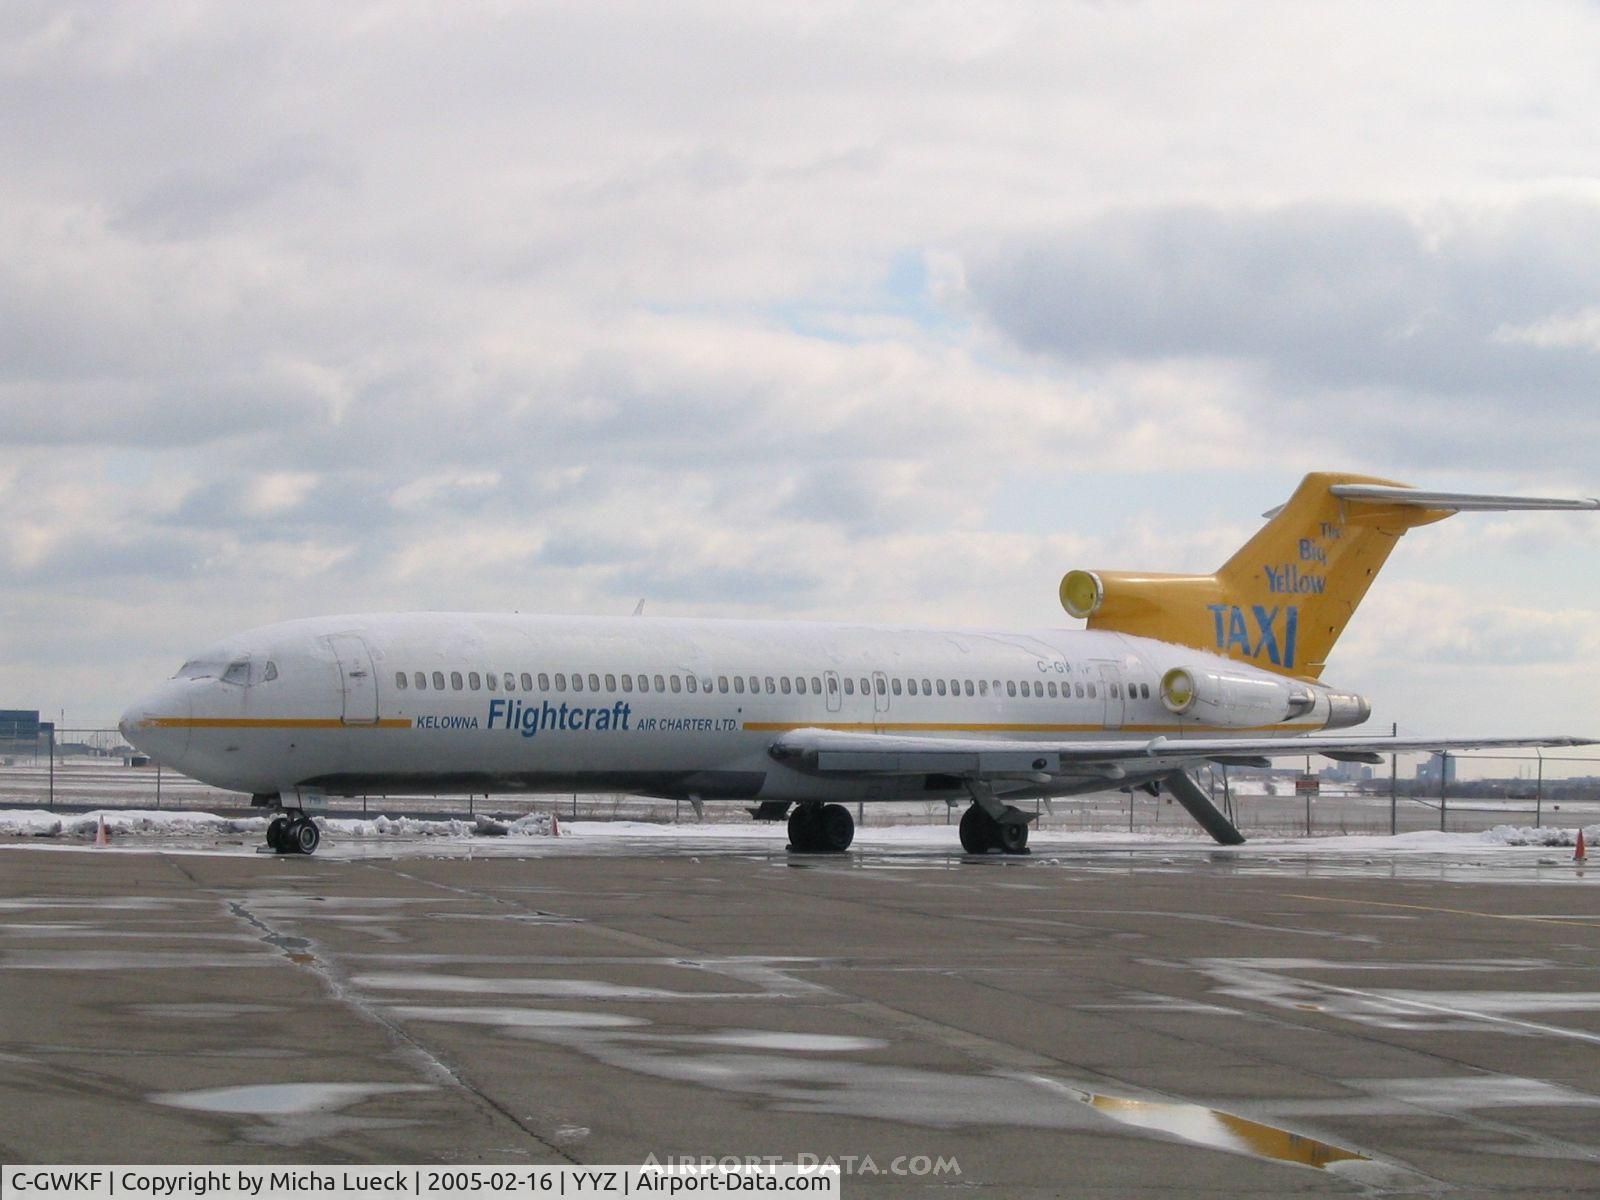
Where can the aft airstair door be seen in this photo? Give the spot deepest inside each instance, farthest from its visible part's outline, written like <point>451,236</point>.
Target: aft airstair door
<point>830,681</point>
<point>357,679</point>
<point>1111,690</point>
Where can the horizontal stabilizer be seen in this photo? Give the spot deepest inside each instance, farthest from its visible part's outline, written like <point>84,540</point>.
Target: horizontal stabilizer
<point>1454,501</point>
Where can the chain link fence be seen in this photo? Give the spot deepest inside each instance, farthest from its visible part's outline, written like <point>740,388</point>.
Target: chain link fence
<point>94,768</point>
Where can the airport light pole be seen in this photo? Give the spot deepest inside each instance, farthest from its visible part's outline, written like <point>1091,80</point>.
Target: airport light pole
<point>1538,791</point>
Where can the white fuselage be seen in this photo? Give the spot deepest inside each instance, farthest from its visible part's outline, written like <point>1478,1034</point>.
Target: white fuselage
<point>441,702</point>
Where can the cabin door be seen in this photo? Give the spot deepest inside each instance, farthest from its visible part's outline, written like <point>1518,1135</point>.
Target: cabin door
<point>1111,690</point>
<point>359,684</point>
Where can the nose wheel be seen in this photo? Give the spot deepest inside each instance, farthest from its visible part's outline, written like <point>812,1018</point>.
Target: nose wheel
<point>297,834</point>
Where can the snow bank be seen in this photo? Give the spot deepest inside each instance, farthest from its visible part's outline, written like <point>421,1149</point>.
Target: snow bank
<point>122,821</point>
<point>1529,835</point>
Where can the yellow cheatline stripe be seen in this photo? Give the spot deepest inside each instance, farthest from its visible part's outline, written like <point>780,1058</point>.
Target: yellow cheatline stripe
<point>273,723</point>
<point>1457,912</point>
<point>957,727</point>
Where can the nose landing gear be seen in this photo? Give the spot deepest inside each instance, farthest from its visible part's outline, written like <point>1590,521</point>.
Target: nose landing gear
<point>293,834</point>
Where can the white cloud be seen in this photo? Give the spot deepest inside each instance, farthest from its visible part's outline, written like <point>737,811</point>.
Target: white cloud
<point>836,311</point>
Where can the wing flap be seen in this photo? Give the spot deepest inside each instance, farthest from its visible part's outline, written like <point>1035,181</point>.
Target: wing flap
<point>835,751</point>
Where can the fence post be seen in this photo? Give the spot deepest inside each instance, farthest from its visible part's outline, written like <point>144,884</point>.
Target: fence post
<point>1444,774</point>
<point>158,783</point>
<point>1393,769</point>
<point>1538,793</point>
<point>51,803</point>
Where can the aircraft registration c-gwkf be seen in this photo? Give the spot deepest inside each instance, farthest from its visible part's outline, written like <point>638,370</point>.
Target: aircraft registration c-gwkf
<point>1171,673</point>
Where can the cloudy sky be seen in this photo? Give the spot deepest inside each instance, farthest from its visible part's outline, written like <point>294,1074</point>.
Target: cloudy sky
<point>881,311</point>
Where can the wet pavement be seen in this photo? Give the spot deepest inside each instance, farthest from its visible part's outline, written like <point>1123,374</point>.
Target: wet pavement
<point>1090,1021</point>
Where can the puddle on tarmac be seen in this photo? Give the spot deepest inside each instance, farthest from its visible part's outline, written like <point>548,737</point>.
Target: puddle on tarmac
<point>1278,982</point>
<point>117,960</point>
<point>517,1018</point>
<point>203,1012</point>
<point>565,989</point>
<point>1222,1131</point>
<point>281,1099</point>
<point>761,1039</point>
<point>287,1114</point>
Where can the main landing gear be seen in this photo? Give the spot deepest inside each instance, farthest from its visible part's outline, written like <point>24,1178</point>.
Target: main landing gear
<point>293,833</point>
<point>981,833</point>
<point>821,828</point>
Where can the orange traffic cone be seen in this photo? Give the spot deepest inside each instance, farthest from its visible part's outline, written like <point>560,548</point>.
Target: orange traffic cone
<point>1580,851</point>
<point>102,835</point>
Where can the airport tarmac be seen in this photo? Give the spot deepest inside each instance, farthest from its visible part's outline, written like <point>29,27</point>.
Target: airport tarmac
<point>1090,1020</point>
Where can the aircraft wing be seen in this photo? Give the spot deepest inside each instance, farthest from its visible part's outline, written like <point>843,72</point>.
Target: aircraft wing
<point>834,751</point>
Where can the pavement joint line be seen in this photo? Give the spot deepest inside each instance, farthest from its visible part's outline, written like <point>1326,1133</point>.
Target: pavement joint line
<point>431,1063</point>
<point>1567,922</point>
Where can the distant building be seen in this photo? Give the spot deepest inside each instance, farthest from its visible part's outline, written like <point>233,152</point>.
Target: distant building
<point>21,731</point>
<point>1440,766</point>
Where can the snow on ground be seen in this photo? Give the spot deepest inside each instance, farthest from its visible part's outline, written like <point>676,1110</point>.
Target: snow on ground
<point>122,823</point>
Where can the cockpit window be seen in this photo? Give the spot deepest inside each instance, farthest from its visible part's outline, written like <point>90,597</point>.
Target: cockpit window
<point>271,673</point>
<point>238,672</point>
<point>199,669</point>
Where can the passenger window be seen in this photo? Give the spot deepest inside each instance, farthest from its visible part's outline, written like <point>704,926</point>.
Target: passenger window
<point>627,683</point>
<point>1011,688</point>
<point>577,682</point>
<point>491,681</point>
<point>983,687</point>
<point>644,683</point>
<point>400,680</point>
<point>544,682</point>
<point>800,684</point>
<point>677,682</point>
<point>738,684</point>
<point>473,681</point>
<point>594,682</point>
<point>772,686</point>
<point>866,687</point>
<point>966,686</point>
<point>895,683</point>
<point>1051,688</point>
<point>511,683</point>
<point>1078,690</point>
<point>722,684</point>
<point>833,685</point>
<point>927,687</point>
<point>611,683</point>
<point>421,680</point>
<point>270,673</point>
<point>1144,690</point>
<point>755,685</point>
<point>911,687</point>
<point>784,685</point>
<point>1091,692</point>
<point>691,683</point>
<point>816,684</point>
<point>1116,691</point>
<point>883,687</point>
<point>455,681</point>
<point>438,681</point>
<point>661,684</point>
<point>941,687</point>
<point>561,681</point>
<point>849,686</point>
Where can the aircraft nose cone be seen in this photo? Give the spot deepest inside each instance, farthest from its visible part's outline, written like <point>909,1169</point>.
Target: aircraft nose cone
<point>158,724</point>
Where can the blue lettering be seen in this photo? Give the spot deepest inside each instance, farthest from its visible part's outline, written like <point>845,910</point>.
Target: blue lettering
<point>1269,639</point>
<point>1238,635</point>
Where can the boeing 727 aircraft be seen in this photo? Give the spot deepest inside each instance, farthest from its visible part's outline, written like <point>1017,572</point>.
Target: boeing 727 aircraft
<point>795,719</point>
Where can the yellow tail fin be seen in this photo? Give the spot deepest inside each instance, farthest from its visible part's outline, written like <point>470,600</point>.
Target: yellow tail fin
<point>1283,600</point>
